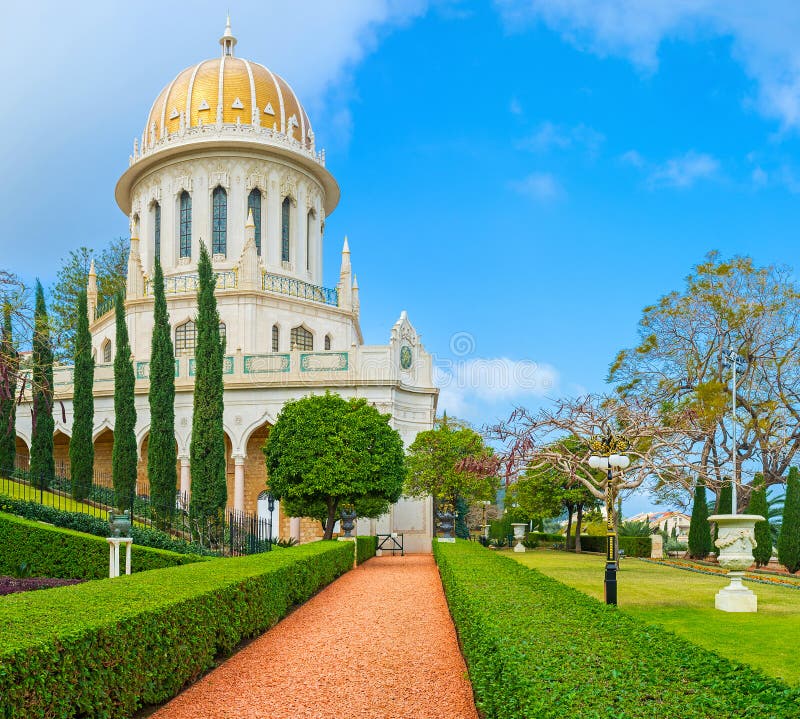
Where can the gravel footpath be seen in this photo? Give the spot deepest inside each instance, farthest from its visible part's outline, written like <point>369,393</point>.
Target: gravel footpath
<point>378,643</point>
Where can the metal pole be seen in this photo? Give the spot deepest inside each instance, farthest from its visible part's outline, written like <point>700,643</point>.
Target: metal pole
<point>610,581</point>
<point>735,454</point>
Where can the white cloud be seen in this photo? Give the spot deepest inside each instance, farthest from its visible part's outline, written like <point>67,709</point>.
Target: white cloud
<point>478,388</point>
<point>632,158</point>
<point>514,107</point>
<point>764,38</point>
<point>759,177</point>
<point>684,171</point>
<point>539,186</point>
<point>550,136</point>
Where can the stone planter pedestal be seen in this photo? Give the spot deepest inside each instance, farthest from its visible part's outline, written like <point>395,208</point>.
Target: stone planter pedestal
<point>519,535</point>
<point>735,542</point>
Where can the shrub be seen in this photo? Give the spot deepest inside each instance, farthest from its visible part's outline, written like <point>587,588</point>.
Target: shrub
<point>143,536</point>
<point>51,552</point>
<point>366,548</point>
<point>528,640</point>
<point>632,546</point>
<point>107,648</point>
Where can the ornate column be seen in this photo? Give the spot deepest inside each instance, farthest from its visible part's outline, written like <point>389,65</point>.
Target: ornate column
<point>238,483</point>
<point>186,478</point>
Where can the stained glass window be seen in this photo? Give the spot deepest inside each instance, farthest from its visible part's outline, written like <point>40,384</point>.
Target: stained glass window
<point>219,227</point>
<point>254,204</point>
<point>276,333</point>
<point>327,342</point>
<point>107,352</point>
<point>186,225</point>
<point>186,336</point>
<point>302,339</point>
<point>285,229</point>
<point>157,231</point>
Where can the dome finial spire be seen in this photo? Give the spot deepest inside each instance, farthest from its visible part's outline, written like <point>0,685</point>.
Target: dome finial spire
<point>228,41</point>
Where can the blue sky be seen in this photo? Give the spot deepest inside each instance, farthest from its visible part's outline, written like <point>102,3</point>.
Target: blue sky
<point>523,177</point>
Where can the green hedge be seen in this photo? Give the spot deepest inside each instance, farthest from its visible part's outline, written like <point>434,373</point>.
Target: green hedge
<point>143,536</point>
<point>104,649</point>
<point>528,641</point>
<point>52,552</point>
<point>366,548</point>
<point>549,538</point>
<point>632,546</point>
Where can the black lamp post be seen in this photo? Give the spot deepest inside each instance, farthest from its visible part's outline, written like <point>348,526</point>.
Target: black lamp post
<point>608,460</point>
<point>271,509</point>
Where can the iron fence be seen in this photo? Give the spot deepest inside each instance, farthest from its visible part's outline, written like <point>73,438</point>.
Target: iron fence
<point>233,532</point>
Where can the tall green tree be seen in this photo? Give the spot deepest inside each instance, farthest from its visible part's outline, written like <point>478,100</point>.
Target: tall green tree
<point>9,363</point>
<point>789,538</point>
<point>161,450</point>
<point>450,461</point>
<point>42,465</point>
<point>699,528</point>
<point>207,450</point>
<point>111,265</point>
<point>724,506</point>
<point>123,455</point>
<point>81,447</point>
<point>325,450</point>
<point>758,505</point>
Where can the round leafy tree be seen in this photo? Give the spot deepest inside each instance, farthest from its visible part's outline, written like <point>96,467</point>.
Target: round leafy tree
<point>329,450</point>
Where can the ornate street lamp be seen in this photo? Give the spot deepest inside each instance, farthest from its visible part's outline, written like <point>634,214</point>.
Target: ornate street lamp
<point>608,458</point>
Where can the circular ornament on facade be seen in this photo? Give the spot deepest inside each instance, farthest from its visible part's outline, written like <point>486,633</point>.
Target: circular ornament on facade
<point>405,357</point>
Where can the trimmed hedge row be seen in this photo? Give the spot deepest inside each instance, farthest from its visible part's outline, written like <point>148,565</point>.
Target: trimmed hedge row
<point>64,553</point>
<point>528,640</point>
<point>632,546</point>
<point>104,649</point>
<point>365,548</point>
<point>143,536</point>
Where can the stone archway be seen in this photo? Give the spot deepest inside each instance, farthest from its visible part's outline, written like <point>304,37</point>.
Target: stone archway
<point>61,454</point>
<point>23,458</point>
<point>103,448</point>
<point>142,475</point>
<point>255,468</point>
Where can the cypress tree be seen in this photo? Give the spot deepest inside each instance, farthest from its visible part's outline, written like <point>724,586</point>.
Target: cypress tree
<point>724,506</point>
<point>123,455</point>
<point>789,538</point>
<point>699,528</point>
<point>758,505</point>
<point>81,447</point>
<point>42,466</point>
<point>207,450</point>
<point>9,364</point>
<point>161,452</point>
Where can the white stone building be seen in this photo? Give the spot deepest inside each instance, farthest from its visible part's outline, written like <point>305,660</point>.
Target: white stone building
<point>228,158</point>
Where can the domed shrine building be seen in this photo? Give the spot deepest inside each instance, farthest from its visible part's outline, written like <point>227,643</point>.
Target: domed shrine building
<point>228,159</point>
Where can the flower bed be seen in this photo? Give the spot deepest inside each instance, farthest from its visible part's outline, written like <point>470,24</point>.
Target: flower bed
<point>107,648</point>
<point>529,640</point>
<point>12,585</point>
<point>750,576</point>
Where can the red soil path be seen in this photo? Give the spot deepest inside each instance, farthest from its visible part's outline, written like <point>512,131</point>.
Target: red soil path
<point>378,643</point>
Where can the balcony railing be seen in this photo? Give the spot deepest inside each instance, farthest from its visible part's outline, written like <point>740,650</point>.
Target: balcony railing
<point>297,288</point>
<point>180,284</point>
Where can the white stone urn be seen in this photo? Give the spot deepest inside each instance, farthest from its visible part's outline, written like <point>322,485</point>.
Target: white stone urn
<point>735,541</point>
<point>519,535</point>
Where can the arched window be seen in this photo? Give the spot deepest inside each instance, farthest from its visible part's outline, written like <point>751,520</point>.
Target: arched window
<point>254,204</point>
<point>285,207</point>
<point>219,222</point>
<point>327,342</point>
<point>186,337</point>
<point>186,225</point>
<point>107,351</point>
<point>302,339</point>
<point>309,227</point>
<point>156,231</point>
<point>276,335</point>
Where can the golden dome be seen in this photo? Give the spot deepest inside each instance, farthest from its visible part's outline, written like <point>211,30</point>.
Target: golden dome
<point>228,90</point>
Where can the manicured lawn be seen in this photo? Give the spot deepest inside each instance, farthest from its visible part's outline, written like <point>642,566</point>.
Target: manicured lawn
<point>683,602</point>
<point>18,490</point>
